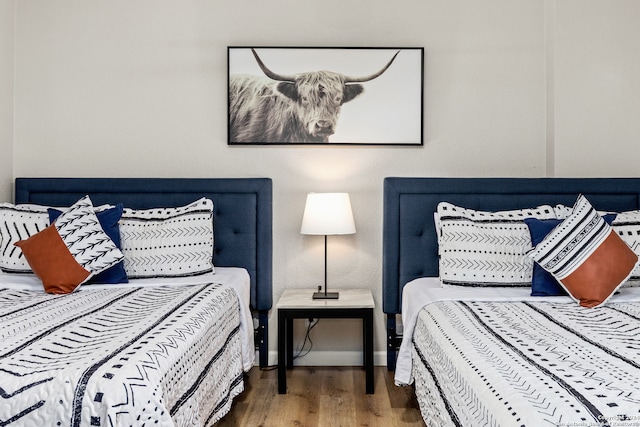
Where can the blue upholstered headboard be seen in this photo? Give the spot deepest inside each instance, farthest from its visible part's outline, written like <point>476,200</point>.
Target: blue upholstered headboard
<point>409,241</point>
<point>242,215</point>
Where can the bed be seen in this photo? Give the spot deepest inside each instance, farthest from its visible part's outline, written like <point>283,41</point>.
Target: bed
<point>481,354</point>
<point>171,346</point>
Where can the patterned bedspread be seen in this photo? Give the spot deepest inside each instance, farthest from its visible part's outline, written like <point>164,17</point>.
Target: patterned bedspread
<point>527,364</point>
<point>165,355</point>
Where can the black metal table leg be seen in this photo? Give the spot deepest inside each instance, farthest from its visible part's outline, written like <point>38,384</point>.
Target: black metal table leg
<point>282,371</point>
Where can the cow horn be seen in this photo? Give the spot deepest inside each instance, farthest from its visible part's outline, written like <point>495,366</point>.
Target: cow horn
<point>271,74</point>
<point>372,76</point>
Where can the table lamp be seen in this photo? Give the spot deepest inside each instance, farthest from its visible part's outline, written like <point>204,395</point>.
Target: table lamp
<point>327,214</point>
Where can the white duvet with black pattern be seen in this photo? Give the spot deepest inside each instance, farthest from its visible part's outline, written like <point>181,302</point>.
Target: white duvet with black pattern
<point>125,356</point>
<point>529,363</point>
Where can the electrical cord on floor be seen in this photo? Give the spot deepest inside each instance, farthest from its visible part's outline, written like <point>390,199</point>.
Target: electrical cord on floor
<point>307,337</point>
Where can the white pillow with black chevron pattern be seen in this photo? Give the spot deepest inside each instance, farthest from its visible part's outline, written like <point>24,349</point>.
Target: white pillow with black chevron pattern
<point>71,250</point>
<point>486,249</point>
<point>19,222</point>
<point>168,242</point>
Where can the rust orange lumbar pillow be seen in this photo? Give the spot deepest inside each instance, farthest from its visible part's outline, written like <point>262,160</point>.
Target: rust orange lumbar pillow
<point>70,251</point>
<point>589,260</point>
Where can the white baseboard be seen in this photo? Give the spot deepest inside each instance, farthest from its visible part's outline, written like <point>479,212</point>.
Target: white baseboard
<point>331,358</point>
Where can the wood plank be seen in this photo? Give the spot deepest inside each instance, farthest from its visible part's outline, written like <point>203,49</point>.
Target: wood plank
<point>338,410</point>
<point>301,403</point>
<point>404,404</point>
<point>373,410</point>
<point>323,396</point>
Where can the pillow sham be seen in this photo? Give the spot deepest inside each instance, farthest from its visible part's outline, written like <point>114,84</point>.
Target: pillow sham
<point>627,225</point>
<point>562,211</point>
<point>486,249</point>
<point>543,284</point>
<point>108,219</point>
<point>71,250</point>
<point>585,256</point>
<point>168,242</point>
<point>18,222</point>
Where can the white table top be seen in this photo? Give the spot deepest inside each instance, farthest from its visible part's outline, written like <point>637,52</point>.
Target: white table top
<point>349,298</point>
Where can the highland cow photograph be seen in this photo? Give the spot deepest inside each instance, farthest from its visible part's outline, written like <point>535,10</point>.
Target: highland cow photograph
<point>341,96</point>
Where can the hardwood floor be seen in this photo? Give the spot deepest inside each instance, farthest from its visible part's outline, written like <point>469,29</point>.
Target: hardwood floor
<point>323,396</point>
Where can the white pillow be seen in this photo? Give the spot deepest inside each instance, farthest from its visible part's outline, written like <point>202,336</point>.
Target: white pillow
<point>627,226</point>
<point>486,249</point>
<point>168,242</point>
<point>19,222</point>
<point>562,211</point>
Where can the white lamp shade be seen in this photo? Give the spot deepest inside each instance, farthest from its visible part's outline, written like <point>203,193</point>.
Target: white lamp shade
<point>328,213</point>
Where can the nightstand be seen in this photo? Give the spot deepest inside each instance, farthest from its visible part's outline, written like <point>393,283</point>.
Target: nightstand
<point>298,304</point>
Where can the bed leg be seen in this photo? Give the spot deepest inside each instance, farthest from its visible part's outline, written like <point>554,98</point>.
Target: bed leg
<point>262,338</point>
<point>392,339</point>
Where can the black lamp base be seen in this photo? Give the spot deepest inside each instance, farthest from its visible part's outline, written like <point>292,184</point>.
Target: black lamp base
<point>328,295</point>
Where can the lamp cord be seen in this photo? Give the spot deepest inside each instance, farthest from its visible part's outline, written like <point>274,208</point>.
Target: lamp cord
<point>307,337</point>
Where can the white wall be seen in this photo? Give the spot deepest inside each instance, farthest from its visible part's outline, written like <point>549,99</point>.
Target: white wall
<point>7,9</point>
<point>512,88</point>
<point>598,88</point>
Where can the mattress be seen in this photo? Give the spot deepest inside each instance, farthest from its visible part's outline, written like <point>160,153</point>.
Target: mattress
<point>504,358</point>
<point>150,352</point>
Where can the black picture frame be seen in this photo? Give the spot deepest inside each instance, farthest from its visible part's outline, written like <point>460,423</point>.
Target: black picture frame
<point>273,103</point>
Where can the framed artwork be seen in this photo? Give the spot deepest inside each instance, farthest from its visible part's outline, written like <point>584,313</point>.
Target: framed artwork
<point>325,95</point>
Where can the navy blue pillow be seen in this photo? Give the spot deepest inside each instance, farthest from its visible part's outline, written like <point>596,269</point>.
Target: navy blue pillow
<point>109,222</point>
<point>543,284</point>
